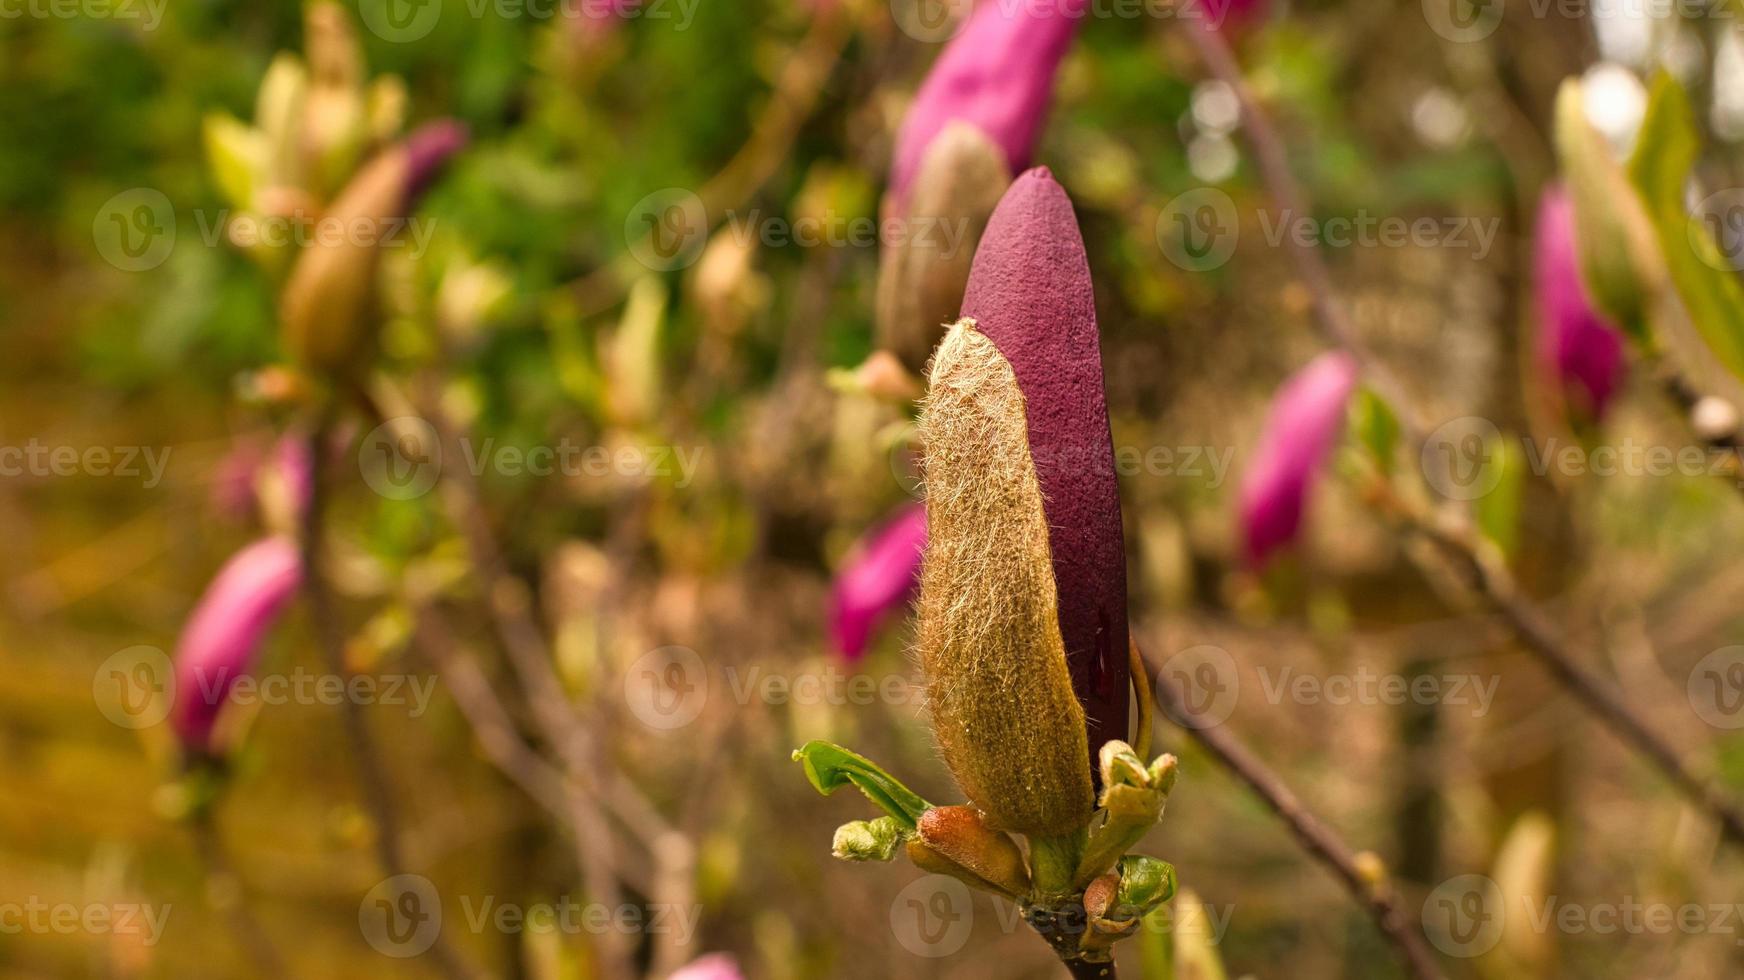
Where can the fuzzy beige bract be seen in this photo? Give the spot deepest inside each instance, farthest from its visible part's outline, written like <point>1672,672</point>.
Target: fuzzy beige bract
<point>1003,711</point>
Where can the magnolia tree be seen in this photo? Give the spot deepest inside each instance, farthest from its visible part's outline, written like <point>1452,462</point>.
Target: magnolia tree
<point>1014,561</point>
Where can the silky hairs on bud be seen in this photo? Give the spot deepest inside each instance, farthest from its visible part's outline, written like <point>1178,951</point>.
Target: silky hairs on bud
<point>1004,714</point>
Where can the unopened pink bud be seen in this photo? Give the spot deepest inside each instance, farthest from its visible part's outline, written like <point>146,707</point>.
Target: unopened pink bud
<point>1306,419</point>
<point>878,579</point>
<point>1580,351</point>
<point>996,75</point>
<point>218,644</point>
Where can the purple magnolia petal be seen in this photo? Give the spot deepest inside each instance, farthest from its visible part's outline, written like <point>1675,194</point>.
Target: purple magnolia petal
<point>428,148</point>
<point>1030,293</point>
<point>1306,419</point>
<point>879,578</point>
<point>218,643</point>
<point>715,966</point>
<point>1580,351</point>
<point>997,75</point>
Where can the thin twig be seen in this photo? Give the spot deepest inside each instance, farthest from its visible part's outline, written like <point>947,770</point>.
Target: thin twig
<point>1490,578</point>
<point>371,771</point>
<point>1314,836</point>
<point>1486,573</point>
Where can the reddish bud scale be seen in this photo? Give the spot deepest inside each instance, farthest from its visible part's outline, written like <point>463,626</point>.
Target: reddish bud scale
<point>1030,293</point>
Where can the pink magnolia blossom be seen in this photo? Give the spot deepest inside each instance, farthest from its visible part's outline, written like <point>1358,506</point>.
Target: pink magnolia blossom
<point>1580,351</point>
<point>715,966</point>
<point>877,579</point>
<point>218,644</point>
<point>1306,419</point>
<point>997,75</point>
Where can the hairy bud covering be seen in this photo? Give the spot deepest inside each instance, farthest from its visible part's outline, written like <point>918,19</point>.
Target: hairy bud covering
<point>1004,713</point>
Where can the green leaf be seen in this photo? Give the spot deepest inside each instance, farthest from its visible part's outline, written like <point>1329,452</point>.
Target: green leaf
<point>830,767</point>
<point>1498,512</point>
<point>1665,154</point>
<point>1619,254</point>
<point>237,157</point>
<point>1376,428</point>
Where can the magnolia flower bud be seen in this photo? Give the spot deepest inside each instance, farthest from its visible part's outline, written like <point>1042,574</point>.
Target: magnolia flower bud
<point>1580,351</point>
<point>1003,711</point>
<point>224,631</point>
<point>922,273</point>
<point>997,75</point>
<point>1031,295</point>
<point>956,841</point>
<point>878,579</point>
<point>329,303</point>
<point>1305,421</point>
